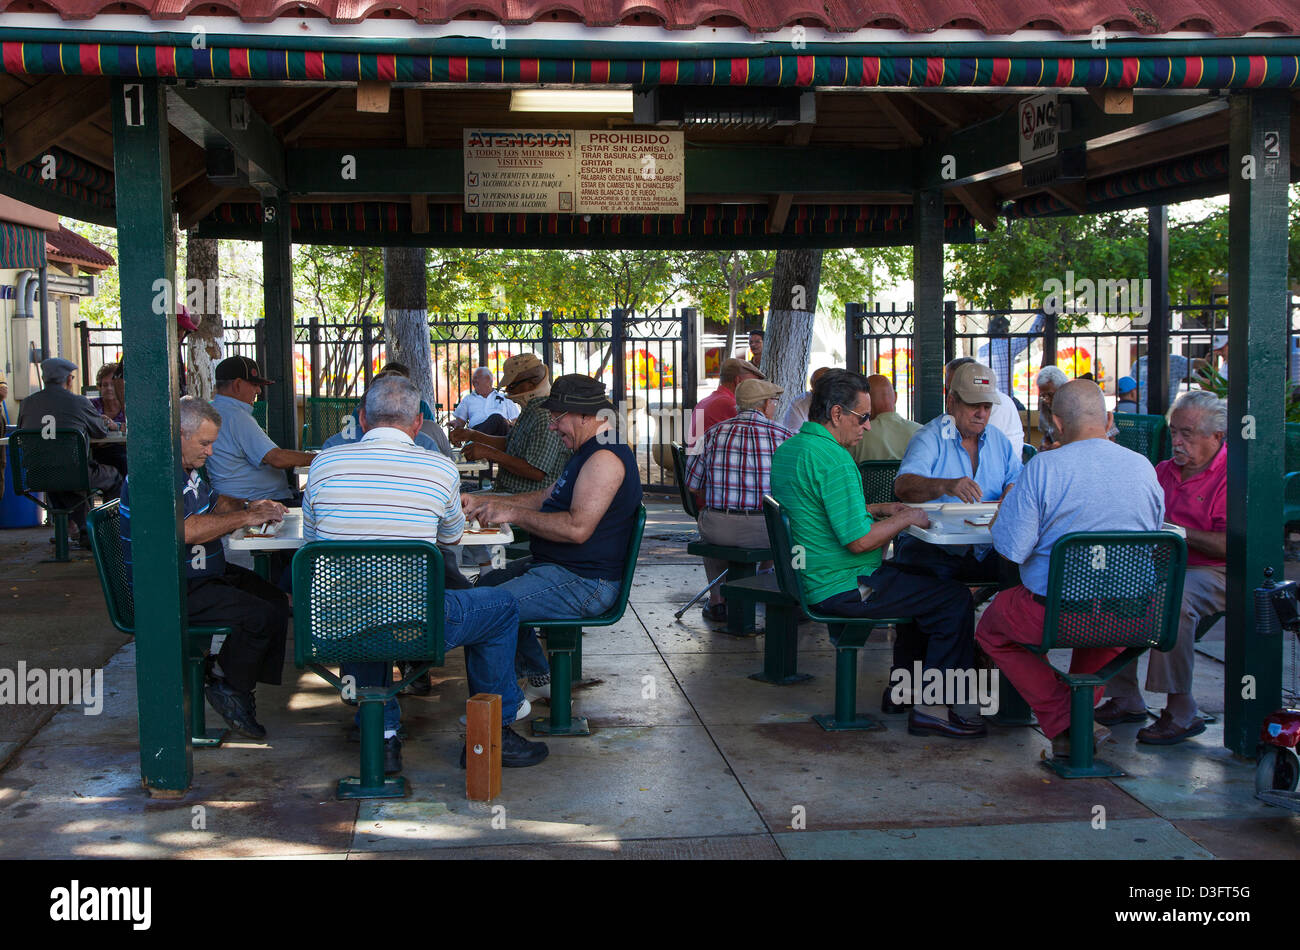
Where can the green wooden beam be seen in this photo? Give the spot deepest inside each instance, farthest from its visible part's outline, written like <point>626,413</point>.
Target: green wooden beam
<point>766,170</point>
<point>928,288</point>
<point>1157,383</point>
<point>47,199</point>
<point>145,254</point>
<point>277,295</point>
<point>203,114</point>
<point>991,148</point>
<point>1259,154</point>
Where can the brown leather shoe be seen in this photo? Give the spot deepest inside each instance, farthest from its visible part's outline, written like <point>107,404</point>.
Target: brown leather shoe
<point>1110,713</point>
<point>1164,731</point>
<point>954,727</point>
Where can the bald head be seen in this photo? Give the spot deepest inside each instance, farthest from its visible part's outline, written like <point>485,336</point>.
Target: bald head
<point>1080,410</point>
<point>883,397</point>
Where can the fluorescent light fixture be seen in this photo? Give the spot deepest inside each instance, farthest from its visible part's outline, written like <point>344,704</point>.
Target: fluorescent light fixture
<point>571,100</point>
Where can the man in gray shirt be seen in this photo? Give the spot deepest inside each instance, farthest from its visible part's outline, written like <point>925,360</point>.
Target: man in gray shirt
<point>69,410</point>
<point>1088,484</point>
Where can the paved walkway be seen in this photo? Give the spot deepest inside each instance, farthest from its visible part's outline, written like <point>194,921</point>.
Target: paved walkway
<point>689,758</point>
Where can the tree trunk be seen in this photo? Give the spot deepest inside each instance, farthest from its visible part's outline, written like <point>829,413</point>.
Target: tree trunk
<point>203,347</point>
<point>406,315</point>
<point>787,344</point>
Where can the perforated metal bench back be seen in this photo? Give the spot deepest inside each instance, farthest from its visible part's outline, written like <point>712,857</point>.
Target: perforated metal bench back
<point>59,464</point>
<point>1145,435</point>
<point>679,468</point>
<point>357,601</point>
<point>778,532</point>
<point>324,417</point>
<point>878,480</point>
<point>105,524</point>
<point>1115,589</point>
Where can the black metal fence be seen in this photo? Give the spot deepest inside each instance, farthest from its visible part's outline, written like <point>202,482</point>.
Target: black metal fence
<point>650,359</point>
<point>1111,346</point>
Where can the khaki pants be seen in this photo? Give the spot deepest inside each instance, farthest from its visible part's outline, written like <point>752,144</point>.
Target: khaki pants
<point>734,530</point>
<point>1204,593</point>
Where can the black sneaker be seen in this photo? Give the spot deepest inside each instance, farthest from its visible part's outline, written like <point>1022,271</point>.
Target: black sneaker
<point>516,751</point>
<point>237,708</point>
<point>392,756</point>
<point>422,685</point>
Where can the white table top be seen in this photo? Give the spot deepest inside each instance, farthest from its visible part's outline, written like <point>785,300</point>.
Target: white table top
<point>948,523</point>
<point>289,536</point>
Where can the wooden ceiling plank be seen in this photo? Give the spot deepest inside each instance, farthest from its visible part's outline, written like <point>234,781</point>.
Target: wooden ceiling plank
<point>34,120</point>
<point>909,132</point>
<point>981,201</point>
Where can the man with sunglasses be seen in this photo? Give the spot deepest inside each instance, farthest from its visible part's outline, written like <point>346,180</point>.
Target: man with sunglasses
<point>842,540</point>
<point>958,457</point>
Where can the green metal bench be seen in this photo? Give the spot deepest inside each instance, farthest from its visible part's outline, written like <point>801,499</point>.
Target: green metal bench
<point>60,464</point>
<point>564,647</point>
<point>368,602</point>
<point>1108,589</point>
<point>259,413</point>
<point>848,633</point>
<point>324,416</point>
<point>741,562</point>
<point>105,527</point>
<point>782,614</point>
<point>878,477</point>
<point>1145,435</point>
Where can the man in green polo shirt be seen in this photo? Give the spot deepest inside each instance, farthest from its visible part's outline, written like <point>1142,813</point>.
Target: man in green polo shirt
<point>843,540</point>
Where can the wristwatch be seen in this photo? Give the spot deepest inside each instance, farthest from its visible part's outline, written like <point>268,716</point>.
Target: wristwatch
<point>246,504</point>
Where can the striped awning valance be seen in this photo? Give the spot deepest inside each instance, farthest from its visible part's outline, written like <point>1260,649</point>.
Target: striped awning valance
<point>21,246</point>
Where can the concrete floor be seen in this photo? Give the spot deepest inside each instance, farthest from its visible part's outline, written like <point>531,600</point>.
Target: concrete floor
<point>688,758</point>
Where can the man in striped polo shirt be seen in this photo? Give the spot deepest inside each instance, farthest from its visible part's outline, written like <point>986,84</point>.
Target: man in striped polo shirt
<point>385,487</point>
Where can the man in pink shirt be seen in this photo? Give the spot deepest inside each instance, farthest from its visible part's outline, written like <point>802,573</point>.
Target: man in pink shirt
<point>721,405</point>
<point>1195,482</point>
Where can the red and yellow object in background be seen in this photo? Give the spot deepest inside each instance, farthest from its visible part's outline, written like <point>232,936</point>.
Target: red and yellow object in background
<point>647,371</point>
<point>897,365</point>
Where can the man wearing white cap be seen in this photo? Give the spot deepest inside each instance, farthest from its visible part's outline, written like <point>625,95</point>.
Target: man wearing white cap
<point>69,410</point>
<point>1219,348</point>
<point>732,470</point>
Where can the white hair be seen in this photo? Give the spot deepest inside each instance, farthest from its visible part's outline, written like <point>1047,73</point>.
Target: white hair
<point>479,369</point>
<point>391,400</point>
<point>1053,375</point>
<point>193,412</point>
<point>1213,411</point>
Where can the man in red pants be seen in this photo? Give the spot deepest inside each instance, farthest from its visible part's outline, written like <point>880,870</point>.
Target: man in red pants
<point>1088,484</point>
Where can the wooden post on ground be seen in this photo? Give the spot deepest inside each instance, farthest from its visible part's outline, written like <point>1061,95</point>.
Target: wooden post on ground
<point>483,747</point>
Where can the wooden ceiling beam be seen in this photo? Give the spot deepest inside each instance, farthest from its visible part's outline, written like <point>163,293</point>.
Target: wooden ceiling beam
<point>196,202</point>
<point>293,130</point>
<point>905,128</point>
<point>981,201</point>
<point>37,118</point>
<point>413,118</point>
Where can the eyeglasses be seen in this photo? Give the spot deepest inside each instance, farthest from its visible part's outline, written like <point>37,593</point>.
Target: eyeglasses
<point>556,418</point>
<point>862,417</point>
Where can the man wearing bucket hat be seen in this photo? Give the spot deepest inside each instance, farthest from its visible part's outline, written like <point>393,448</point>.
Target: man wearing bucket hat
<point>245,463</point>
<point>577,550</point>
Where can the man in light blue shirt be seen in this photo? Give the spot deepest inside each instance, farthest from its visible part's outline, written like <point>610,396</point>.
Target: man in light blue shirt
<point>245,463</point>
<point>957,457</point>
<point>1087,484</point>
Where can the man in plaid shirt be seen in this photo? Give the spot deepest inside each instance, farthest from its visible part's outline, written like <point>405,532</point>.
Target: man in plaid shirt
<point>732,472</point>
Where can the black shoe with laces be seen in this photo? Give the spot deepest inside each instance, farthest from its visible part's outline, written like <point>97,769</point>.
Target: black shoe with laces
<point>422,685</point>
<point>516,751</point>
<point>392,756</point>
<point>239,709</point>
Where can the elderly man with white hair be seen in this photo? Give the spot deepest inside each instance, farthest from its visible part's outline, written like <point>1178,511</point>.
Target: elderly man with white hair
<point>483,408</point>
<point>1049,379</point>
<point>1195,484</point>
<point>1056,494</point>
<point>1003,414</point>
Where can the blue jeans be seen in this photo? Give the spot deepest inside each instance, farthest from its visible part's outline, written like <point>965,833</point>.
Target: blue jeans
<point>486,624</point>
<point>546,591</point>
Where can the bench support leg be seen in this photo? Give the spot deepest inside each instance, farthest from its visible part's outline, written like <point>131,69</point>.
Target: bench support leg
<point>781,647</point>
<point>372,783</point>
<point>60,519</point>
<point>201,737</point>
<point>1012,708</point>
<point>1081,763</point>
<point>561,645</point>
<point>741,620</point>
<point>846,696</point>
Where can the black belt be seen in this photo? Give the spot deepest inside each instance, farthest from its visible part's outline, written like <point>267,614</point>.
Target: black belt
<point>736,511</point>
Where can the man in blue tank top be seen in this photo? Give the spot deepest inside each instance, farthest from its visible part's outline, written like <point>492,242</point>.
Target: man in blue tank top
<point>578,550</point>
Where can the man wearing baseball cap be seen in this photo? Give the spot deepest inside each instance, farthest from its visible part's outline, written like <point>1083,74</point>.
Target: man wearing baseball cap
<point>70,410</point>
<point>957,457</point>
<point>1126,388</point>
<point>245,463</point>
<point>578,550</point>
<point>721,404</point>
<point>732,470</point>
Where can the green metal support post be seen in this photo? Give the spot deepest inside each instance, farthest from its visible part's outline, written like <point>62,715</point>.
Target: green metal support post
<point>927,215</point>
<point>1157,381</point>
<point>146,253</point>
<point>1259,162</point>
<point>277,294</point>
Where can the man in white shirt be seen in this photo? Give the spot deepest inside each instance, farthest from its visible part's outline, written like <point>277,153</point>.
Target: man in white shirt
<point>1003,415</point>
<point>481,404</point>
<point>797,414</point>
